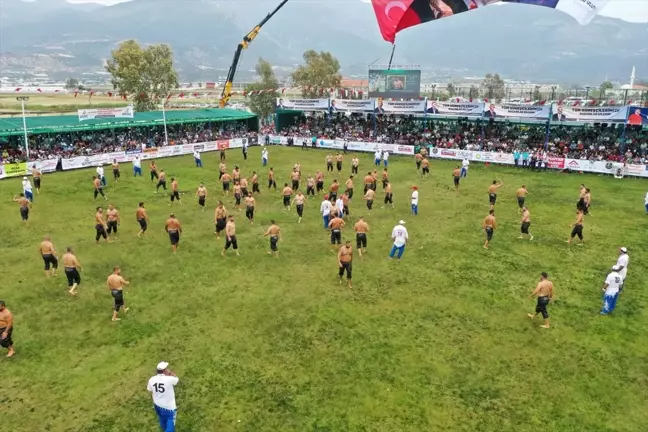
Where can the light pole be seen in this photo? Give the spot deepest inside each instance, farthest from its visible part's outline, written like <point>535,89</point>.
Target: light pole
<point>553,92</point>
<point>22,100</point>
<point>433,91</point>
<point>587,89</point>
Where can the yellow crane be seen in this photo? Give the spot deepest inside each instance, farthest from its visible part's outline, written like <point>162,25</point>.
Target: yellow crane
<point>227,89</point>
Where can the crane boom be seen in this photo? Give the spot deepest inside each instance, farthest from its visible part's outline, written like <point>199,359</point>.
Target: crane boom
<point>227,89</point>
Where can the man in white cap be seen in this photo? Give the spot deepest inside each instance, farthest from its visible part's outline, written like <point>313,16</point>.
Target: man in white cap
<point>611,289</point>
<point>400,237</point>
<point>162,386</point>
<point>622,263</point>
<point>27,189</point>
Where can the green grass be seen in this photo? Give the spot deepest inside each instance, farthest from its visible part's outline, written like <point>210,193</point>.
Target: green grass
<point>437,342</point>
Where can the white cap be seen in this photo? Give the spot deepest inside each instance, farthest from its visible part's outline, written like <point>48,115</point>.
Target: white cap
<point>624,250</point>
<point>25,178</point>
<point>162,366</point>
<point>616,267</point>
<point>402,222</point>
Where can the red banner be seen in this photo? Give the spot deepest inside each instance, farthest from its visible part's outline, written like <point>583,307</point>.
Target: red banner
<point>555,162</point>
<point>222,144</point>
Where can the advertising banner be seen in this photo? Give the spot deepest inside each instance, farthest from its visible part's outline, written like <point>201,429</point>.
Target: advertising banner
<point>45,166</point>
<point>637,116</point>
<point>15,169</point>
<point>303,104</point>
<point>579,113</point>
<point>100,113</point>
<point>493,111</point>
<point>365,105</point>
<point>394,83</point>
<point>222,144</point>
<point>365,146</point>
<point>556,162</point>
<point>399,107</point>
<point>468,109</point>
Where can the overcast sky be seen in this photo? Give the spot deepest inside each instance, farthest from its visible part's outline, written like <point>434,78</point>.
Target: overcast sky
<point>629,10</point>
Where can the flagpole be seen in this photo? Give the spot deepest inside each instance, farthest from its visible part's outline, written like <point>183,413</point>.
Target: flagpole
<point>391,57</point>
<point>166,136</point>
<point>22,100</point>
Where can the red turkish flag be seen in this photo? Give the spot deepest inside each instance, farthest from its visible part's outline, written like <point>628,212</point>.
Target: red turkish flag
<point>394,16</point>
<point>39,90</point>
<point>181,96</point>
<point>18,89</point>
<point>110,94</point>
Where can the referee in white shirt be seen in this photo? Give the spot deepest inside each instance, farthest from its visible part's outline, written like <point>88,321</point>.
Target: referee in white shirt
<point>464,167</point>
<point>400,237</point>
<point>325,209</point>
<point>162,386</point>
<point>101,176</point>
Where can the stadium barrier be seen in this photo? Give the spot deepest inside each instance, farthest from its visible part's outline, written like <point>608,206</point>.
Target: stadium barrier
<point>558,163</point>
<point>49,165</point>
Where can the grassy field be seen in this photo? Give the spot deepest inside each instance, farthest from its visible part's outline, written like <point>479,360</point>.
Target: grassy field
<point>437,342</point>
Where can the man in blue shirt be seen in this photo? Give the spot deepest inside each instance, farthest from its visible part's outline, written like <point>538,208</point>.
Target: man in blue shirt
<point>516,158</point>
<point>525,159</point>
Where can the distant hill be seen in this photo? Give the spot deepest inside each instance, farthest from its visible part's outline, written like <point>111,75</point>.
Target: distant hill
<point>518,41</point>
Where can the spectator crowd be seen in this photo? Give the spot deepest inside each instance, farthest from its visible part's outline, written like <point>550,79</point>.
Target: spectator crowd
<point>614,142</point>
<point>87,143</point>
<point>587,141</point>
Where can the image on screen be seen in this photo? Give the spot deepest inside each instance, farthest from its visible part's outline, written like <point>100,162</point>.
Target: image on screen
<point>398,84</point>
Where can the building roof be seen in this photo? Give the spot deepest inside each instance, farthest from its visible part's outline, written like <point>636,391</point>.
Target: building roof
<point>71,123</point>
<point>347,82</point>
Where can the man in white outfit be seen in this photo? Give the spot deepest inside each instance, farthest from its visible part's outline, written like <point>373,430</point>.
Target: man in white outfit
<point>27,189</point>
<point>325,209</point>
<point>100,175</point>
<point>400,238</point>
<point>162,386</point>
<point>622,263</point>
<point>464,167</point>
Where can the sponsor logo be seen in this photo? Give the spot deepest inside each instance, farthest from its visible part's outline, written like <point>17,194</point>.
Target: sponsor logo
<point>487,156</point>
<point>435,150</point>
<point>500,157</point>
<point>177,150</point>
<point>448,153</point>
<point>478,156</point>
<point>634,168</point>
<point>573,164</point>
<point>554,162</point>
<point>199,147</point>
<point>465,154</point>
<point>609,165</point>
<point>223,144</point>
<point>137,151</point>
<point>404,149</point>
<point>150,150</point>
<point>86,162</point>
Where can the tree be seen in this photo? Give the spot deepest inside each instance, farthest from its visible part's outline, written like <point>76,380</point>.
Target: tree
<point>492,87</point>
<point>473,93</point>
<point>536,93</point>
<point>263,104</point>
<point>72,83</point>
<point>604,87</point>
<point>145,73</point>
<point>319,71</point>
<point>450,89</point>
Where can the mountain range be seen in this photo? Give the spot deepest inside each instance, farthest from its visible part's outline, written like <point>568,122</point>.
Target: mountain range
<point>517,41</point>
